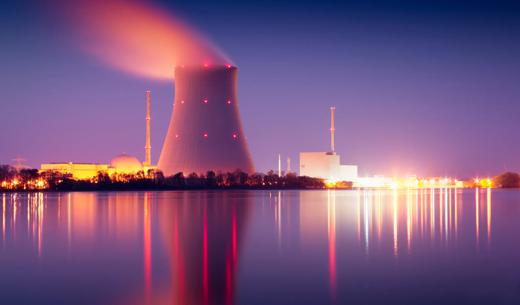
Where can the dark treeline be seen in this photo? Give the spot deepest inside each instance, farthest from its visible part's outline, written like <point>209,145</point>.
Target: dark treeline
<point>12,179</point>
<point>32,179</point>
<point>507,180</point>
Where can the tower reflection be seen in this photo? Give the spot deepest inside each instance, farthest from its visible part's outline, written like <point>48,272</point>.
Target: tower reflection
<point>202,233</point>
<point>188,244</point>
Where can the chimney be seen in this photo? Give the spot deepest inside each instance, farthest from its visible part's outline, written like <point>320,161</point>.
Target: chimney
<point>279,165</point>
<point>148,147</point>
<point>332,148</point>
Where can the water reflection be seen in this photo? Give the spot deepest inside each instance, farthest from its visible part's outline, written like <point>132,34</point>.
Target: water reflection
<point>230,247</point>
<point>417,216</point>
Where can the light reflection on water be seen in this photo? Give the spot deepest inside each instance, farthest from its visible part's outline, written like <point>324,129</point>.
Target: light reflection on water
<point>261,247</point>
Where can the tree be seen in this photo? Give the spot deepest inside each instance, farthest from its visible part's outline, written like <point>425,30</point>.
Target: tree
<point>221,179</point>
<point>7,172</point>
<point>193,180</point>
<point>507,180</point>
<point>270,179</point>
<point>211,179</point>
<point>176,180</point>
<point>158,177</point>
<point>240,178</point>
<point>256,180</point>
<point>55,179</point>
<point>103,178</point>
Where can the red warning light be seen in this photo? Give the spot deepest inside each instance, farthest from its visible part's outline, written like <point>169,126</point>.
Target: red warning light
<point>176,135</point>
<point>228,66</point>
<point>182,102</point>
<point>205,135</point>
<point>235,136</point>
<point>205,101</point>
<point>229,102</point>
<point>206,65</point>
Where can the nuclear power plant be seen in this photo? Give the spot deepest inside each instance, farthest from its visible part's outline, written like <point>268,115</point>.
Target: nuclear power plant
<point>205,131</point>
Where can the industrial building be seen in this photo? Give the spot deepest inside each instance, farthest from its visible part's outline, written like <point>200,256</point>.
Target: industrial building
<point>205,131</point>
<point>122,164</point>
<point>327,165</point>
<point>78,171</point>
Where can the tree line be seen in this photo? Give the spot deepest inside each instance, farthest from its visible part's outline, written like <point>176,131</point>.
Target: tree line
<point>32,179</point>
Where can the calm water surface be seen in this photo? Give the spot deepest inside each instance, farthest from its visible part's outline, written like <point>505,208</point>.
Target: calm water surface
<point>261,247</point>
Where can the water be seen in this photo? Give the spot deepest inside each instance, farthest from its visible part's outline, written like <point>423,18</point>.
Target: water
<point>261,247</point>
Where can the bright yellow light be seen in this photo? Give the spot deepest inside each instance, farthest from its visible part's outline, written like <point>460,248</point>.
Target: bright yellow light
<point>40,183</point>
<point>330,183</point>
<point>486,183</point>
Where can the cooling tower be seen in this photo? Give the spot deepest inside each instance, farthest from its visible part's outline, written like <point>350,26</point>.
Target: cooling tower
<point>205,132</point>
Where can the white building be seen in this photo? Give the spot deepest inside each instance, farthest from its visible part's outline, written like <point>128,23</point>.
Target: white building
<point>327,165</point>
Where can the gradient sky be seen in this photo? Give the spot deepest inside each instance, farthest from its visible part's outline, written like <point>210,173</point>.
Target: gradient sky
<point>420,87</point>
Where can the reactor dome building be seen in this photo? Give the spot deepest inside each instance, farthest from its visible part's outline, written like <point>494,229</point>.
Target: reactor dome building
<point>205,131</point>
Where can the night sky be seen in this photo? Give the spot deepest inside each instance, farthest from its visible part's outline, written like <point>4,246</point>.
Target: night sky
<point>420,87</point>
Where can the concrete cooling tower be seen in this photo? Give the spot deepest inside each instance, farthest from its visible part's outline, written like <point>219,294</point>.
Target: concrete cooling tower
<point>205,132</point>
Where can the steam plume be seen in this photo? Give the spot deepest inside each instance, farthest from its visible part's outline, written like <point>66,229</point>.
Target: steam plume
<point>138,38</point>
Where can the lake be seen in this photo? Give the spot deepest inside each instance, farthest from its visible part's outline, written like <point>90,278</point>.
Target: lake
<point>442,246</point>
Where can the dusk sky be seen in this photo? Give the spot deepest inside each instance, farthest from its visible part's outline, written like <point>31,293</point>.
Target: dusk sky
<point>420,87</point>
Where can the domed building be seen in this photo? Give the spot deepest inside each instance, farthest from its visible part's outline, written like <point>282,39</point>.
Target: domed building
<point>122,164</point>
<point>125,164</point>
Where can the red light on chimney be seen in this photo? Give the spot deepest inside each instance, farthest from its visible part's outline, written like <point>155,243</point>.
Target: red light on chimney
<point>228,66</point>
<point>205,101</point>
<point>205,135</point>
<point>229,102</point>
<point>235,136</point>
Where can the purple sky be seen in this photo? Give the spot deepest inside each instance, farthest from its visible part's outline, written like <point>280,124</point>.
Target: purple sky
<point>429,88</point>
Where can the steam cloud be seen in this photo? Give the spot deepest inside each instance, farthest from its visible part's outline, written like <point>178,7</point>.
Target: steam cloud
<point>138,38</point>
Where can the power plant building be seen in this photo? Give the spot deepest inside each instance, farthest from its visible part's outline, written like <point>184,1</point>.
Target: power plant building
<point>205,131</point>
<point>78,171</point>
<point>327,165</point>
<point>122,164</point>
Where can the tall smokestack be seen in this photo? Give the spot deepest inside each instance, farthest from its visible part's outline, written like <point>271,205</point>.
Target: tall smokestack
<point>279,165</point>
<point>147,146</point>
<point>288,165</point>
<point>205,131</point>
<point>332,148</point>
